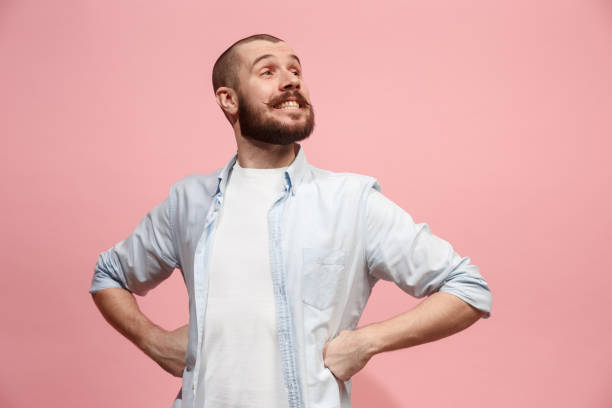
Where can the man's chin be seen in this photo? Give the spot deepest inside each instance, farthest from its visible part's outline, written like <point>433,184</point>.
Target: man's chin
<point>282,129</point>
<point>278,135</point>
<point>278,139</point>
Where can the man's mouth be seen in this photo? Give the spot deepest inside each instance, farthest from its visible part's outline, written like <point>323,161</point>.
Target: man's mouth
<point>289,101</point>
<point>288,105</point>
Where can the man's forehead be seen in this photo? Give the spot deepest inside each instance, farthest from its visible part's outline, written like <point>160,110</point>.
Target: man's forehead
<point>252,51</point>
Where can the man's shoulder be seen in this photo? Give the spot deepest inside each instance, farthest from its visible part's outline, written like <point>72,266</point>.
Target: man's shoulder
<point>346,180</point>
<point>197,183</point>
<point>320,173</point>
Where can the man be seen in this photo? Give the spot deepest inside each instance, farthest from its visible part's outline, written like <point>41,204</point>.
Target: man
<point>279,259</point>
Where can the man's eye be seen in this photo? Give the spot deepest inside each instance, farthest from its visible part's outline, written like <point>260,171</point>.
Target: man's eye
<point>266,72</point>
<point>296,72</point>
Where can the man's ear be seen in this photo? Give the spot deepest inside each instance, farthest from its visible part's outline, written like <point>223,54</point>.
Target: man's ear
<point>227,98</point>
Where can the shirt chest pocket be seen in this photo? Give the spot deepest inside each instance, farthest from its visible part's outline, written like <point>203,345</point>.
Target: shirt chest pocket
<point>323,270</point>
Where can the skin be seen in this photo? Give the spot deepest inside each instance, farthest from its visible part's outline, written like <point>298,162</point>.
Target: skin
<point>166,348</point>
<point>438,316</point>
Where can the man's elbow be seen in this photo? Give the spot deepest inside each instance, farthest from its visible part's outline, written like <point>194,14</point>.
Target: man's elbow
<point>473,290</point>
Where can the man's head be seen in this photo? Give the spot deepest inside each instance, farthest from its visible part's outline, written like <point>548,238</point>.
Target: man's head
<point>258,84</point>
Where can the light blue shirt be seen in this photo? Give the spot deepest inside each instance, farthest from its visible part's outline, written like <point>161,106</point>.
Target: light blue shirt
<point>332,237</point>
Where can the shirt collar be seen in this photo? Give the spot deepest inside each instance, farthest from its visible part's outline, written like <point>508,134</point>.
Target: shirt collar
<point>293,174</point>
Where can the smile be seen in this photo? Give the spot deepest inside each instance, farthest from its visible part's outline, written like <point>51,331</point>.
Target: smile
<point>288,105</point>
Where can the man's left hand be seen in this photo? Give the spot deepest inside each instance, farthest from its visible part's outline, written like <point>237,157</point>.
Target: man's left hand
<point>348,353</point>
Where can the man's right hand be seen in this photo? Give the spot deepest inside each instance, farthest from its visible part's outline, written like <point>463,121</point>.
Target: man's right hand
<point>168,349</point>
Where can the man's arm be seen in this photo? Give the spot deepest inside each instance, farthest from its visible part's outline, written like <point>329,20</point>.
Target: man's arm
<point>136,265</point>
<point>436,317</point>
<point>421,264</point>
<point>166,348</point>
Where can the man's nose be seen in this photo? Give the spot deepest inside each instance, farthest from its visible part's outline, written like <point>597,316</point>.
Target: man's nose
<point>289,81</point>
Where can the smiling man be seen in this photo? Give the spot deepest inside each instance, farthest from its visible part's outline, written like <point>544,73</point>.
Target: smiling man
<point>279,258</point>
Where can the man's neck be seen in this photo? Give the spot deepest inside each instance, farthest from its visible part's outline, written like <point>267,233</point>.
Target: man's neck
<point>259,155</point>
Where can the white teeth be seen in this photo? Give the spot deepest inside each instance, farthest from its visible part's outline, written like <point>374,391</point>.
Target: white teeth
<point>289,105</point>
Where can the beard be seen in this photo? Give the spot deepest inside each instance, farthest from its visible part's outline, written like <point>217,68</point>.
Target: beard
<point>253,124</point>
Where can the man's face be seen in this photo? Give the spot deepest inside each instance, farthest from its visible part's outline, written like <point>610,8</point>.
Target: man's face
<point>273,102</point>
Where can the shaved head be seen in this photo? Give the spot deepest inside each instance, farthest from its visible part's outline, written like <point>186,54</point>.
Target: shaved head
<point>225,70</point>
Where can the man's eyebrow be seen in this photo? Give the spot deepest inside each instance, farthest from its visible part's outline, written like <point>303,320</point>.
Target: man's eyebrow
<point>272,56</point>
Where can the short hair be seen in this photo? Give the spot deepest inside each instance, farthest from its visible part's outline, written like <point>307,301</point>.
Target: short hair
<point>225,70</point>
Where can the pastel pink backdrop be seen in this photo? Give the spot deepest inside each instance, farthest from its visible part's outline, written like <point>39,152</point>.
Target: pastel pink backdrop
<point>490,121</point>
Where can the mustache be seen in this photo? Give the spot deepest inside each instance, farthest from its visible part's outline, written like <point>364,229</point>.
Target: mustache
<point>286,95</point>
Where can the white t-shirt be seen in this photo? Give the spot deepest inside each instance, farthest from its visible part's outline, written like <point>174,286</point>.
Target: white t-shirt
<point>241,365</point>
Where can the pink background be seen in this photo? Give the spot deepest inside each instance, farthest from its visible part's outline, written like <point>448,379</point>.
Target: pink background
<point>490,121</point>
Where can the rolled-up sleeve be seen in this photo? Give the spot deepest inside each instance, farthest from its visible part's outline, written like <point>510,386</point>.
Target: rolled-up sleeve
<point>142,260</point>
<point>419,262</point>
